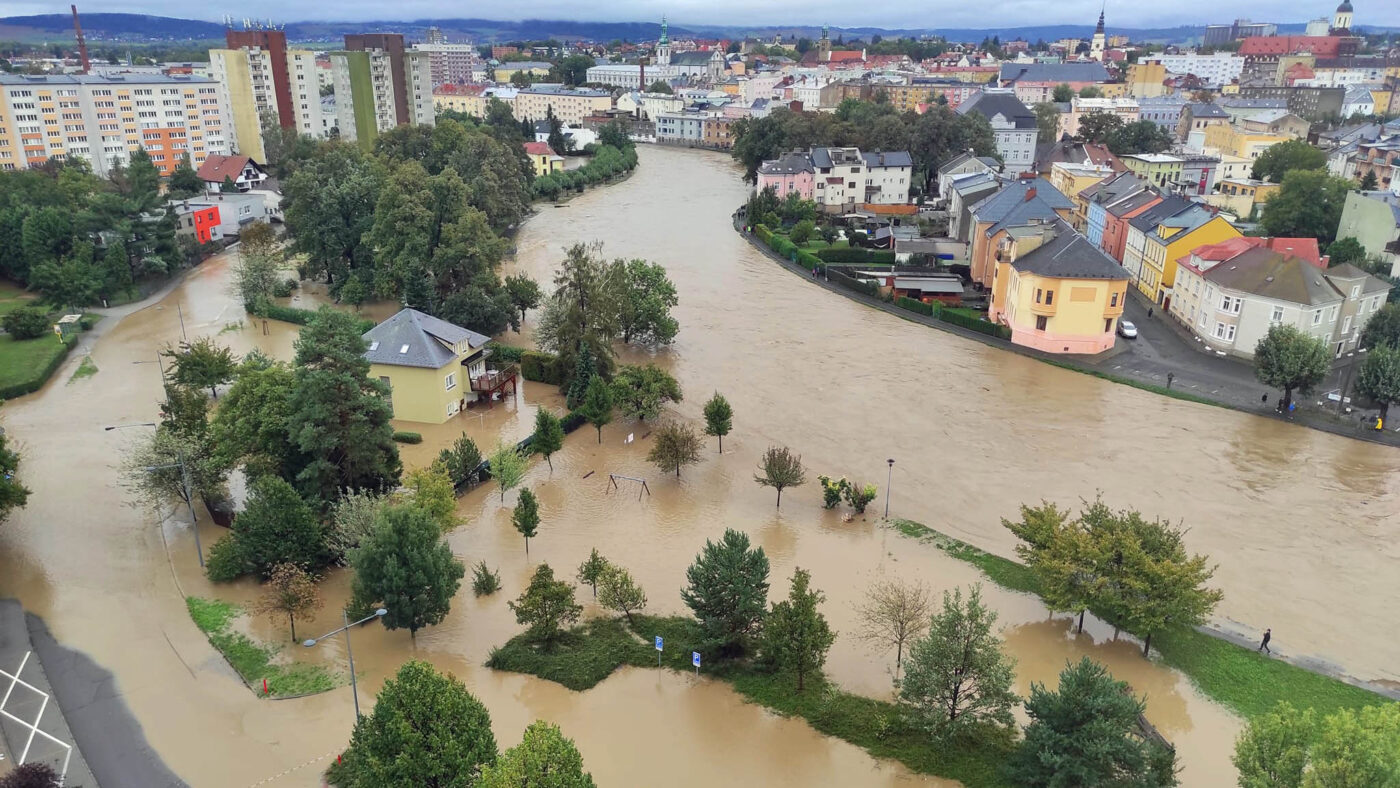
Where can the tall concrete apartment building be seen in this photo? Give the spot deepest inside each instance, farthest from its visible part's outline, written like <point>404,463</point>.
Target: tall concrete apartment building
<point>380,85</point>
<point>260,76</point>
<point>101,119</point>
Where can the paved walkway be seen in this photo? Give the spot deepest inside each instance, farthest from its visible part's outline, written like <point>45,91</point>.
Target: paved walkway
<point>85,709</point>
<point>1162,348</point>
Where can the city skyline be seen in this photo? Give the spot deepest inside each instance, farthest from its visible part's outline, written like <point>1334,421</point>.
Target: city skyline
<point>900,14</point>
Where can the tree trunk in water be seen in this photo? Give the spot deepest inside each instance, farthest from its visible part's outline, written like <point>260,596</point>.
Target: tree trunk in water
<point>721,444</point>
<point>780,498</point>
<point>1147,644</point>
<point>600,434</point>
<point>527,545</point>
<point>1081,621</point>
<point>678,471</point>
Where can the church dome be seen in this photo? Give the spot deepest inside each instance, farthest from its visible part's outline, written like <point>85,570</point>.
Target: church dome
<point>1345,7</point>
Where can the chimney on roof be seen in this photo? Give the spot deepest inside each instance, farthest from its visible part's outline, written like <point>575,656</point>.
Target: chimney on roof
<point>1030,194</point>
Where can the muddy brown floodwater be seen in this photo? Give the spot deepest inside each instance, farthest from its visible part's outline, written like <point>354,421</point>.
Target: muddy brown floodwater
<point>1302,523</point>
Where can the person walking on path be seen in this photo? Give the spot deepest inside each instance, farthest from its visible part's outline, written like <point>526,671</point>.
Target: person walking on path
<point>1264,646</point>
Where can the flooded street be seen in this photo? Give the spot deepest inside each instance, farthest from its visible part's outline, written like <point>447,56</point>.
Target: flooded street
<point>1303,524</point>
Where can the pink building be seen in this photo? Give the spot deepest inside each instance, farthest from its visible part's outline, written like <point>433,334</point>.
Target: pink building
<point>791,172</point>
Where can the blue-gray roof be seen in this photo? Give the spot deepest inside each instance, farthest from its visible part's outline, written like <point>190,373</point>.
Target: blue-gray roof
<point>414,339</point>
<point>898,158</point>
<point>989,104</point>
<point>1054,72</point>
<point>1071,256</point>
<point>1011,202</point>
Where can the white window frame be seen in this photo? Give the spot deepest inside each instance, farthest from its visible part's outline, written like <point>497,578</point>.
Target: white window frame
<point>1317,317</point>
<point>450,381</point>
<point>1277,316</point>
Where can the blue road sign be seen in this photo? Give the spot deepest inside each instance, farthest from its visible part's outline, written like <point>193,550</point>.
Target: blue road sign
<point>695,658</point>
<point>658,642</point>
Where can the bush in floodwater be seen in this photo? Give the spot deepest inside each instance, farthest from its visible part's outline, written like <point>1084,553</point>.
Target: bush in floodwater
<point>484,581</point>
<point>408,437</point>
<point>831,490</point>
<point>859,495</point>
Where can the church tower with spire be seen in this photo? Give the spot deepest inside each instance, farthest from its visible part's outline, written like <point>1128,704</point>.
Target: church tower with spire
<point>663,47</point>
<point>824,45</point>
<point>1096,46</point>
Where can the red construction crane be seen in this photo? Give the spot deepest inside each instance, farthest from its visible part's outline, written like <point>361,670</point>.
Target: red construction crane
<point>82,45</point>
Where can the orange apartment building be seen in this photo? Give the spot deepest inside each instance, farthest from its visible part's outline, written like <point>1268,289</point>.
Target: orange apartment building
<point>102,119</point>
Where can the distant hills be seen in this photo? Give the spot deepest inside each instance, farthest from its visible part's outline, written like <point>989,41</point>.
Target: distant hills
<point>141,27</point>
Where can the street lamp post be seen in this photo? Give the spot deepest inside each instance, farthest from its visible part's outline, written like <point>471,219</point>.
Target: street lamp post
<point>186,489</point>
<point>354,689</point>
<point>889,478</point>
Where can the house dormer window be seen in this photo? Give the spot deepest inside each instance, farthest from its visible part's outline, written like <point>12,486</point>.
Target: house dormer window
<point>403,349</point>
<point>374,345</point>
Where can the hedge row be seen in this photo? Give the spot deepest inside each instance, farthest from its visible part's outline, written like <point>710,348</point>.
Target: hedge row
<point>974,323</point>
<point>506,352</point>
<point>292,314</point>
<point>37,382</point>
<point>851,283</point>
<point>540,367</point>
<point>764,234</point>
<point>855,255</point>
<point>916,306</point>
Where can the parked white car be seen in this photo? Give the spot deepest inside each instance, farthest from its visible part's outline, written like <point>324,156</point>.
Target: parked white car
<point>1126,329</point>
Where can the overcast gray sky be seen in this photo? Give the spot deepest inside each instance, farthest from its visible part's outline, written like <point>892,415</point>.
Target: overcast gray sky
<point>887,14</point>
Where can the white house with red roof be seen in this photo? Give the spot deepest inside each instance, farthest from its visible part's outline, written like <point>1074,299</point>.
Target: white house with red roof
<point>245,173</point>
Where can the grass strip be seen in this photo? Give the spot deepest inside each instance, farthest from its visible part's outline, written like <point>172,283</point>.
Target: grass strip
<point>591,651</point>
<point>1138,384</point>
<point>1240,678</point>
<point>253,662</point>
<point>85,370</point>
<point>25,364</point>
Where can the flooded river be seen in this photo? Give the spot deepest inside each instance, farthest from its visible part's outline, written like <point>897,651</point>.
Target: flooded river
<point>1302,523</point>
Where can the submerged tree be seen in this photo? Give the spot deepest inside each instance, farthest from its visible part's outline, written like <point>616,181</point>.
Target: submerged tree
<point>545,758</point>
<point>597,405</point>
<point>526,516</point>
<point>719,418</point>
<point>547,606</point>
<point>1291,360</point>
<point>618,591</point>
<point>958,675</point>
<point>795,634</point>
<point>549,435</point>
<point>727,589</point>
<point>780,469</point>
<point>407,567</point>
<point>590,572</point>
<point>507,468</point>
<point>674,446</point>
<point>895,614</point>
<point>290,592</point>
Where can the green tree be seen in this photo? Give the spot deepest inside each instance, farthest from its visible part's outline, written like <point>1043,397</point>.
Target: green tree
<point>1278,160</point>
<point>796,636</point>
<point>1063,94</point>
<point>1099,126</point>
<point>1345,250</point>
<point>719,418</point>
<point>425,729</point>
<point>590,572</point>
<point>507,466</point>
<point>1291,360</point>
<point>339,416</point>
<point>660,86</point>
<point>545,758</point>
<point>1379,378</point>
<point>549,435</point>
<point>574,69</point>
<point>253,424</point>
<point>616,590</point>
<point>524,293</point>
<point>116,265</point>
<point>1383,328</point>
<point>1368,181</point>
<point>228,186</point>
<point>1308,204</point>
<point>597,405</point>
<point>1047,121</point>
<point>641,391</point>
<point>327,205</point>
<point>257,269</point>
<point>290,592</point>
<point>645,302</point>
<point>1086,733</point>
<point>278,527</point>
<point>1062,556</point>
<point>674,446</point>
<point>71,282</point>
<point>958,676</point>
<point>142,180</point>
<point>1357,749</point>
<point>202,363</point>
<point>802,231</point>
<point>547,606</point>
<point>430,490</point>
<point>353,518</point>
<point>581,379</point>
<point>1272,750</point>
<point>184,181</point>
<point>407,568</point>
<point>13,495</point>
<point>1140,136</point>
<point>27,322</point>
<point>582,310</point>
<point>460,460</point>
<point>780,469</point>
<point>1146,579</point>
<point>727,589</point>
<point>1090,91</point>
<point>526,516</point>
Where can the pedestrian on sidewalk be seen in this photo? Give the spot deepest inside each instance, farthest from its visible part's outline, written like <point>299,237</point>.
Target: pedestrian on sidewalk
<point>1264,646</point>
<point>1264,398</point>
<point>1170,378</point>
<point>1149,311</point>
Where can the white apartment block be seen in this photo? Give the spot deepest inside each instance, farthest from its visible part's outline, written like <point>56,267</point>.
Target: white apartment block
<point>367,90</point>
<point>450,64</point>
<point>570,106</point>
<point>101,119</point>
<point>1219,68</point>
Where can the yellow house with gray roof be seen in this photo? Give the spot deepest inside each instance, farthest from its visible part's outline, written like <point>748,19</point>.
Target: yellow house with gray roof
<point>430,365</point>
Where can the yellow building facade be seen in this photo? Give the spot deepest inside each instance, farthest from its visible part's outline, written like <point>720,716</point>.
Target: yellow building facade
<point>428,364</point>
<point>1167,244</point>
<point>1230,141</point>
<point>1159,169</point>
<point>1061,294</point>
